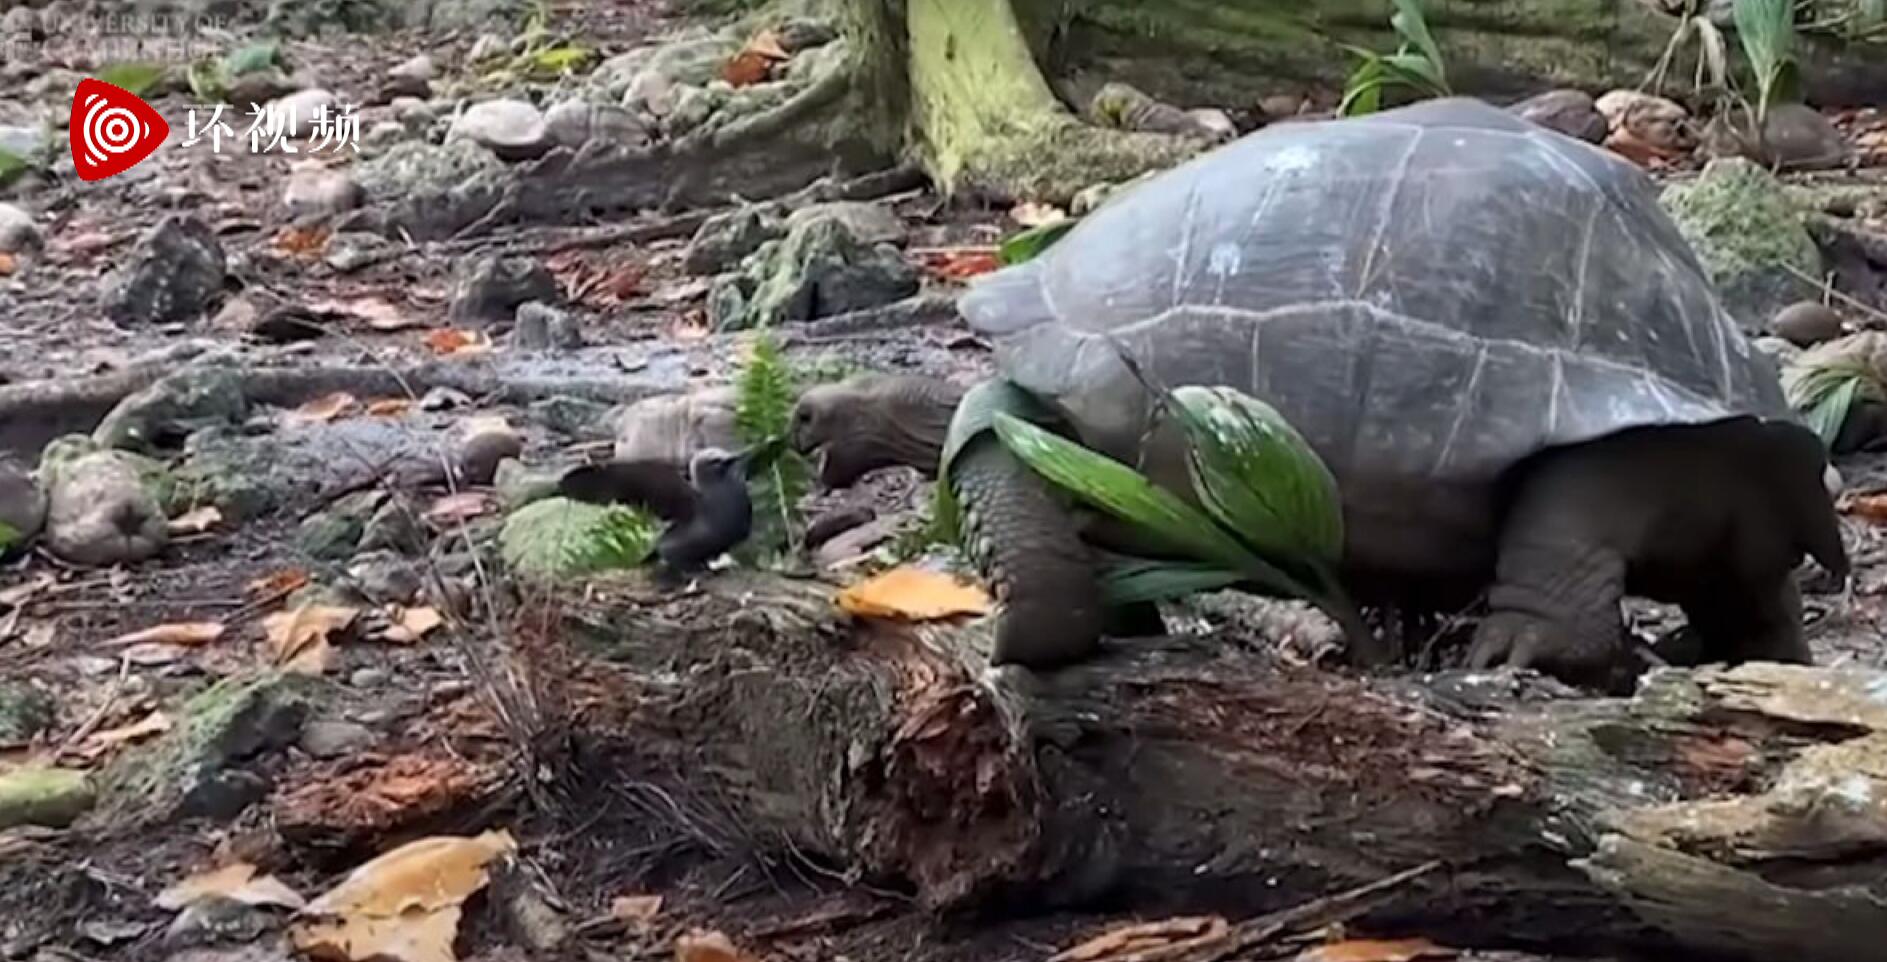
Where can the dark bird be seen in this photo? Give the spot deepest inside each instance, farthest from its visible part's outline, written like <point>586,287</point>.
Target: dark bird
<point>709,511</point>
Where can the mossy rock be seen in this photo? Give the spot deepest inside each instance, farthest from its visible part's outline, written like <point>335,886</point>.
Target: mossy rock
<point>1751,236</point>
<point>187,770</point>
<point>25,711</point>
<point>557,537</point>
<point>52,797</point>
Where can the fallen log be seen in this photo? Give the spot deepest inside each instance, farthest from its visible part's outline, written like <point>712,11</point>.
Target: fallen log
<point>1737,813</point>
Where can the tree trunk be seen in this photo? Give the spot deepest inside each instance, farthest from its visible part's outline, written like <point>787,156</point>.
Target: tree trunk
<point>1742,814</point>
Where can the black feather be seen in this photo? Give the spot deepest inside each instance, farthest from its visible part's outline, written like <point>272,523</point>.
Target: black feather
<point>654,486</point>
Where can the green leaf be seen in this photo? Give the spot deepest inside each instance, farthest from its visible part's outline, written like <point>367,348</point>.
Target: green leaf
<point>1409,21</point>
<point>766,390</point>
<point>9,537</point>
<point>562,59</point>
<point>1135,581</point>
<point>1362,92</point>
<point>556,537</point>
<point>1767,31</point>
<point>253,58</point>
<point>1413,70</point>
<point>12,166</point>
<point>209,81</point>
<point>1826,416</point>
<point>138,78</point>
<point>1259,477</point>
<point>977,412</point>
<point>1029,244</point>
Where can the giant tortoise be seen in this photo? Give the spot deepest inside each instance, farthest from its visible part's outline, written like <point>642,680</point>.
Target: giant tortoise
<point>1506,354</point>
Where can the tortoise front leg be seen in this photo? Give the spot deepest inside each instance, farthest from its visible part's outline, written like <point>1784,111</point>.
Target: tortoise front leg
<point>1028,546</point>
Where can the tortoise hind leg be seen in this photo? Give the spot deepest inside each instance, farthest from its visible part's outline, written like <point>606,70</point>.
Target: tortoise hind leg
<point>1735,627</point>
<point>1029,547</point>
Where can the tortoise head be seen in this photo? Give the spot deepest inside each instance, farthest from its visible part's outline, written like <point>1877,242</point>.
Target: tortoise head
<point>872,421</point>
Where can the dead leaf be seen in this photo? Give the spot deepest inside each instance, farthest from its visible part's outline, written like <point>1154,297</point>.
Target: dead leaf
<point>152,653</point>
<point>1031,214</point>
<point>1148,940</point>
<point>281,583</point>
<point>636,908</point>
<point>700,946</point>
<point>196,522</point>
<point>302,241</point>
<point>324,408</point>
<point>1868,507</point>
<point>958,263</point>
<point>298,640</point>
<point>1373,950</point>
<point>379,315</point>
<point>389,407</point>
<point>913,594</point>
<point>98,743</point>
<point>8,264</point>
<point>410,624</point>
<point>236,881</point>
<point>450,340</point>
<point>754,63</point>
<point>186,633</point>
<point>463,506</point>
<point>403,905</point>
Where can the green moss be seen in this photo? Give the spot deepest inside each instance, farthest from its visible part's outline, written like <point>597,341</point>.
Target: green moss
<point>53,797</point>
<point>1750,235</point>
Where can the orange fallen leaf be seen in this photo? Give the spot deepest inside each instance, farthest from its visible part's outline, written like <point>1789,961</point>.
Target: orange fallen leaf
<point>236,881</point>
<point>187,633</point>
<point>755,61</point>
<point>451,340</point>
<point>302,241</point>
<point>1144,939</point>
<point>700,946</point>
<point>1374,950</point>
<point>285,582</point>
<point>1868,507</point>
<point>913,594</point>
<point>403,905</point>
<point>8,264</point>
<point>411,624</point>
<point>298,640</point>
<point>463,506</point>
<point>98,743</point>
<point>196,522</point>
<point>324,408</point>
<point>636,908</point>
<point>389,407</point>
<point>958,263</point>
<point>380,315</point>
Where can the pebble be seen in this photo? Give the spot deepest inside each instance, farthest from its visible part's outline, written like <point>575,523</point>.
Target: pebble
<point>491,288</point>
<point>1807,323</point>
<point>417,67</point>
<point>541,327</point>
<point>18,233</point>
<point>481,444</point>
<point>512,129</point>
<point>487,46</point>
<point>330,738</point>
<point>299,109</point>
<point>315,190</point>
<point>368,677</point>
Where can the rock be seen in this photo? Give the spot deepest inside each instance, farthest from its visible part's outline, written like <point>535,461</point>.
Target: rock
<point>368,678</point>
<point>350,251</point>
<point>385,578</point>
<point>265,86</point>
<point>490,290</point>
<point>197,767</point>
<point>22,513</point>
<point>512,129</point>
<point>417,67</point>
<point>443,399</point>
<point>670,428</point>
<point>870,223</point>
<point>486,47</point>
<point>818,270</point>
<point>100,511</point>
<point>318,191</point>
<point>575,417</point>
<point>23,141</point>
<point>417,114</point>
<point>651,92</point>
<point>480,444</point>
<point>849,544</point>
<point>573,123</point>
<point>1750,236</point>
<point>1807,323</point>
<point>25,712</point>
<point>300,109</point>
<point>465,16</point>
<point>1795,137</point>
<point>52,797</point>
<point>18,232</point>
<point>384,135</point>
<point>20,22</point>
<point>395,526</point>
<point>1125,107</point>
<point>1780,350</point>
<point>1571,112</point>
<point>724,240</point>
<point>1276,107</point>
<point>1641,121</point>
<point>418,168</point>
<point>173,273</point>
<point>541,327</point>
<point>214,919</point>
<point>163,415</point>
<point>335,533</point>
<point>518,485</point>
<point>411,78</point>
<point>326,738</point>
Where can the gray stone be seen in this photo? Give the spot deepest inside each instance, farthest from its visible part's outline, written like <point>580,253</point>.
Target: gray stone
<point>18,232</point>
<point>173,408</point>
<point>486,47</point>
<point>335,533</point>
<point>724,240</point>
<point>1571,112</point>
<point>27,142</point>
<point>479,445</point>
<point>417,67</point>
<point>571,416</point>
<point>368,677</point>
<point>818,270</point>
<point>299,110</point>
<point>1807,323</point>
<point>518,485</point>
<point>1751,236</point>
<point>349,251</point>
<point>418,168</point>
<point>445,16</point>
<point>25,711</point>
<point>328,738</point>
<point>318,191</point>
<point>869,223</point>
<point>264,86</point>
<point>383,577</point>
<point>541,327</point>
<point>174,273</point>
<point>385,134</point>
<point>395,526</point>
<point>489,291</point>
<point>670,428</point>
<point>512,129</point>
<point>223,795</point>
<point>573,123</point>
<point>22,509</point>
<point>101,512</point>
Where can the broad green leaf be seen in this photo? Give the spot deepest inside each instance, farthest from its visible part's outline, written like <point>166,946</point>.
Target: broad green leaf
<point>1409,21</point>
<point>208,80</point>
<point>557,537</point>
<point>1029,244</point>
<point>11,166</point>
<point>138,78</point>
<point>250,59</point>
<point>977,411</point>
<point>1135,581</point>
<point>1826,416</point>
<point>1258,476</point>
<point>1415,71</point>
<point>1767,31</point>
<point>1362,92</point>
<point>1163,518</point>
<point>9,537</point>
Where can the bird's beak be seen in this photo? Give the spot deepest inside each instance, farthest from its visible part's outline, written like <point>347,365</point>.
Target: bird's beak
<point>760,456</point>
